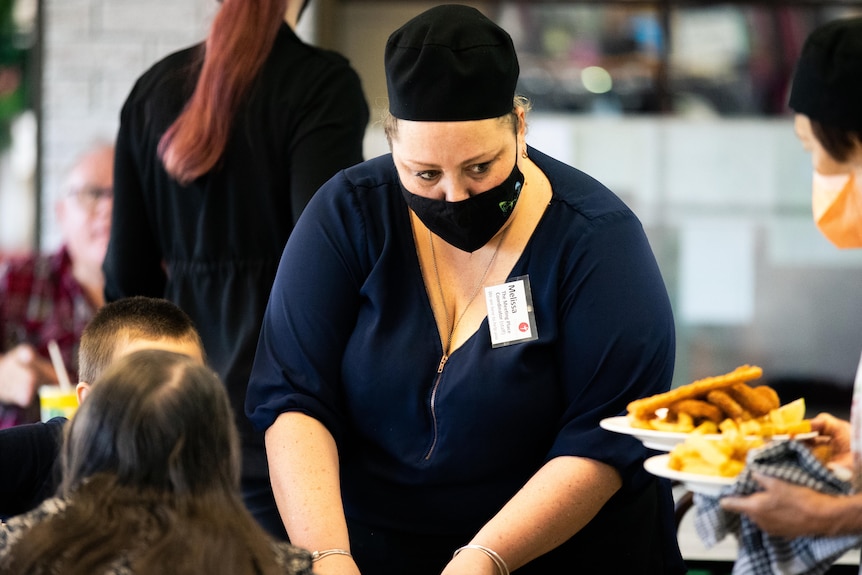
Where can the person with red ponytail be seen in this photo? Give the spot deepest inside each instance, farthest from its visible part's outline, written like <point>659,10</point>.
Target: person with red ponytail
<point>220,147</point>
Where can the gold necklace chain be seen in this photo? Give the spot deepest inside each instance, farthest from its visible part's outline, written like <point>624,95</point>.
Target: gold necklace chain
<point>472,296</point>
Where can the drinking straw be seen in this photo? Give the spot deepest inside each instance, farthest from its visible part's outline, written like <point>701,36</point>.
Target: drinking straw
<point>59,366</point>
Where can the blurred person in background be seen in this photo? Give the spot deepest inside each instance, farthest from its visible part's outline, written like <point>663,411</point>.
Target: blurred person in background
<point>220,147</point>
<point>826,95</point>
<point>150,484</point>
<point>52,297</point>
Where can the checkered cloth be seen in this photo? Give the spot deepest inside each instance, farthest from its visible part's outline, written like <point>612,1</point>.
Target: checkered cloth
<point>762,554</point>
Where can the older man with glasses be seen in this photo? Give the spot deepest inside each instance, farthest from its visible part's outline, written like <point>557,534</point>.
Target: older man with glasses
<point>45,297</point>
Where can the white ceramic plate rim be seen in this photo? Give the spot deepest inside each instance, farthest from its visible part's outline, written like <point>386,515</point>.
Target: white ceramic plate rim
<point>665,440</point>
<point>698,483</point>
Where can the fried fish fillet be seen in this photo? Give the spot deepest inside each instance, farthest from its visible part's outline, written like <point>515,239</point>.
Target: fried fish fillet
<point>646,407</point>
<point>728,403</point>
<point>751,399</point>
<point>697,409</point>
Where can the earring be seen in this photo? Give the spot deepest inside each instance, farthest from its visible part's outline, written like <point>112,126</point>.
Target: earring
<point>524,153</point>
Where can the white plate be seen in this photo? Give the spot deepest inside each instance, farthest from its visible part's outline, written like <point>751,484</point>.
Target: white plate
<point>651,438</point>
<point>665,440</point>
<point>710,485</point>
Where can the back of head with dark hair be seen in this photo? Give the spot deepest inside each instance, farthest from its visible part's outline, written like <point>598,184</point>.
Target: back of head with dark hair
<point>827,85</point>
<point>130,318</point>
<point>155,419</point>
<point>151,482</point>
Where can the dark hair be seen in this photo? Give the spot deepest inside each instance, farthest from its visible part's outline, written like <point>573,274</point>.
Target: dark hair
<point>151,478</point>
<point>136,317</point>
<point>827,79</point>
<point>838,142</point>
<point>155,419</point>
<point>240,39</point>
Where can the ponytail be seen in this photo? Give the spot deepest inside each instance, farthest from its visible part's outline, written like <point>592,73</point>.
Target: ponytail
<point>239,42</point>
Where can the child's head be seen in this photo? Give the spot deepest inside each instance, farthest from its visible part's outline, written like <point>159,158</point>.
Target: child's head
<point>155,420</point>
<point>130,324</point>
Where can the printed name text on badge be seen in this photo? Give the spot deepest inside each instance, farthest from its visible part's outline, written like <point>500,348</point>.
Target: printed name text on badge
<point>510,312</point>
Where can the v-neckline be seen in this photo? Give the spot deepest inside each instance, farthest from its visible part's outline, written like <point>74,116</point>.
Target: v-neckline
<point>477,316</point>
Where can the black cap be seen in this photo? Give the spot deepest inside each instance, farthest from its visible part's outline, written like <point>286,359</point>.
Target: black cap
<point>450,64</point>
<point>827,86</point>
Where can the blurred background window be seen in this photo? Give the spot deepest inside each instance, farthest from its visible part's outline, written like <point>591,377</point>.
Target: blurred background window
<point>679,107</point>
<point>662,57</point>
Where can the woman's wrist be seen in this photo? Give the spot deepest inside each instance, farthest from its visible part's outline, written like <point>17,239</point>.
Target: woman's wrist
<point>502,568</point>
<point>324,553</point>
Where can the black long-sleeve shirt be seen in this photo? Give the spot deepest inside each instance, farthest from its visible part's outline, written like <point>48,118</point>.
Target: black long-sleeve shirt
<point>29,470</point>
<point>213,247</point>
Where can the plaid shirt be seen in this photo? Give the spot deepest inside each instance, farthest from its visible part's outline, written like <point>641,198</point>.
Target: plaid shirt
<point>40,300</point>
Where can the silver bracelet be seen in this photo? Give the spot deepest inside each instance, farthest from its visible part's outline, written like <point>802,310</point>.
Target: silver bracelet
<point>495,557</point>
<point>318,555</point>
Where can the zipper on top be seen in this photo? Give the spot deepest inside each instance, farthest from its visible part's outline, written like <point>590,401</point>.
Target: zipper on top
<point>433,406</point>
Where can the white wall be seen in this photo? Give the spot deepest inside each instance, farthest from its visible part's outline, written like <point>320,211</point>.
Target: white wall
<point>93,52</point>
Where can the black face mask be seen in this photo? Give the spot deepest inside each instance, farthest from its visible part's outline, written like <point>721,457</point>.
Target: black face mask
<point>470,223</point>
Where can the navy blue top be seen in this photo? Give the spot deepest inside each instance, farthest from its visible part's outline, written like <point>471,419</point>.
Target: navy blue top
<point>349,337</point>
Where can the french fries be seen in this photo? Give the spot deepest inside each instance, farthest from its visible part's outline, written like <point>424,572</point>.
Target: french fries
<point>727,455</point>
<point>750,416</point>
<point>715,404</point>
<point>723,457</point>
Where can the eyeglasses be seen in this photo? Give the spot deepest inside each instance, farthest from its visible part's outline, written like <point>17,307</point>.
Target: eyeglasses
<point>89,196</point>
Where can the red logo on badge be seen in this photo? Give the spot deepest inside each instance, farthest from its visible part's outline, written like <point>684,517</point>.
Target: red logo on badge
<point>524,327</point>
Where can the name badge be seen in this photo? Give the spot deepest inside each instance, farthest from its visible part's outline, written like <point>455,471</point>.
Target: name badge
<point>510,312</point>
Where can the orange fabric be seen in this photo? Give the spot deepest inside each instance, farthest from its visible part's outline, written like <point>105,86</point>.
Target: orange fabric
<point>837,207</point>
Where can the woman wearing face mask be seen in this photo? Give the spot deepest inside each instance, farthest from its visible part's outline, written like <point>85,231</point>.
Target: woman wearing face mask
<point>448,326</point>
<point>827,98</point>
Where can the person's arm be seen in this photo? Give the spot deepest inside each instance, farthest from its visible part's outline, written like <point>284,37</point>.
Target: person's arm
<point>627,352</point>
<point>329,135</point>
<point>133,262</point>
<point>789,510</point>
<point>559,500</point>
<point>28,456</point>
<point>293,390</point>
<point>304,473</point>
